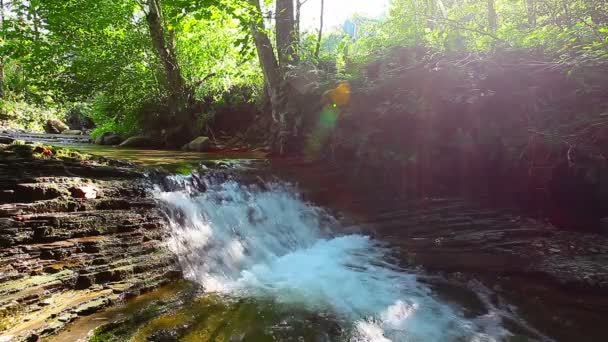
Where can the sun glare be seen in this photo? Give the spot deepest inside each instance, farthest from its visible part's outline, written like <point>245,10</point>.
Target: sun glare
<point>338,11</point>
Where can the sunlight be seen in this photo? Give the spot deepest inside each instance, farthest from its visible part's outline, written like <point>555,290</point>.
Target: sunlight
<point>338,11</point>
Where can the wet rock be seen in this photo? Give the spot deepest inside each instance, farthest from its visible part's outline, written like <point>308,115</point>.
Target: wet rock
<point>36,192</point>
<point>6,140</point>
<point>84,192</point>
<point>51,247</point>
<point>32,338</point>
<point>165,335</point>
<point>55,126</point>
<point>66,318</point>
<point>109,138</point>
<point>113,140</point>
<point>140,141</point>
<point>175,137</point>
<point>84,281</point>
<point>7,196</point>
<point>92,307</point>
<point>200,144</point>
<point>72,132</point>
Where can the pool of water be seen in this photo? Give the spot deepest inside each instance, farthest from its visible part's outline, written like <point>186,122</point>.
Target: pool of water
<point>173,160</point>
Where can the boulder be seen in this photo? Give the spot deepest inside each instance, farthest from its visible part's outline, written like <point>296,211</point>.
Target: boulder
<point>200,144</point>
<point>76,119</point>
<point>109,138</point>
<point>113,140</point>
<point>72,132</point>
<point>140,141</point>
<point>6,140</point>
<point>175,137</point>
<point>99,139</point>
<point>55,126</point>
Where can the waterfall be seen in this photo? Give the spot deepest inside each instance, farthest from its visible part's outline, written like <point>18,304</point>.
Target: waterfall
<point>264,241</point>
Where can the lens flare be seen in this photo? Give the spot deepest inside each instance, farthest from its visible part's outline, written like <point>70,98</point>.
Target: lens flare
<point>341,94</point>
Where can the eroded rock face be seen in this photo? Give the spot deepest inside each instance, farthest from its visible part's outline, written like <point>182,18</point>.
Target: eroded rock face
<point>74,239</point>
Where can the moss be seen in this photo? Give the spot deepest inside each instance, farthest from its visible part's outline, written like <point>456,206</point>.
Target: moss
<point>68,154</point>
<point>184,168</point>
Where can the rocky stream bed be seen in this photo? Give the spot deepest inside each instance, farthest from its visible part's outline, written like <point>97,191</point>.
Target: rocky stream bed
<point>78,236</point>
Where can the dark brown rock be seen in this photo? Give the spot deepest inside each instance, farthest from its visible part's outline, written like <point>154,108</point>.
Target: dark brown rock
<point>6,140</point>
<point>140,141</point>
<point>109,138</point>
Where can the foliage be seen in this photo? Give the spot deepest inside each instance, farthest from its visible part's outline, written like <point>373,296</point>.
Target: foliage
<point>101,52</point>
<point>18,113</point>
<point>568,30</point>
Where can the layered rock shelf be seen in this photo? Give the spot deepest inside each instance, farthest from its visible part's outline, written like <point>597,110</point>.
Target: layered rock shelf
<point>76,236</point>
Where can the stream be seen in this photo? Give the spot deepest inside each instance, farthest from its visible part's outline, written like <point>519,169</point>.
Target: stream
<point>270,248</point>
<point>263,264</point>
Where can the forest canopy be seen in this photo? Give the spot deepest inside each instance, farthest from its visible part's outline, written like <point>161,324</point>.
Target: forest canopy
<point>137,65</point>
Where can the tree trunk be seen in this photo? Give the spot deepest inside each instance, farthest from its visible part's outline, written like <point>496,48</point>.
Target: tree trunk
<point>270,69</point>
<point>286,34</point>
<point>268,60</point>
<point>299,4</point>
<point>492,16</point>
<point>2,56</point>
<point>531,9</point>
<point>163,46</point>
<point>276,71</point>
<point>318,47</point>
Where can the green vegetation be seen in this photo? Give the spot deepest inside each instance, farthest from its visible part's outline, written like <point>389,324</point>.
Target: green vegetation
<point>248,70</point>
<point>146,65</point>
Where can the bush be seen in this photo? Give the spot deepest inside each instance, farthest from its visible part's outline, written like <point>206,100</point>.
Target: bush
<point>107,117</point>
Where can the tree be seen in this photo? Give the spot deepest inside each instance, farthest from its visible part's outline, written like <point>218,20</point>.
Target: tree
<point>320,37</point>
<point>531,11</point>
<point>492,16</point>
<point>276,70</point>
<point>2,39</point>
<point>165,49</point>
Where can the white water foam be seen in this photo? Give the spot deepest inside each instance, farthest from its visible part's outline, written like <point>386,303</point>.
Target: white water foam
<point>245,241</point>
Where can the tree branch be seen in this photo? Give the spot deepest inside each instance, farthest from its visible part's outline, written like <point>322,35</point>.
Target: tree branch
<point>459,25</point>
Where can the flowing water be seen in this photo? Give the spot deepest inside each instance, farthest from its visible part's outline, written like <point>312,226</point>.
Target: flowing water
<point>274,267</point>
